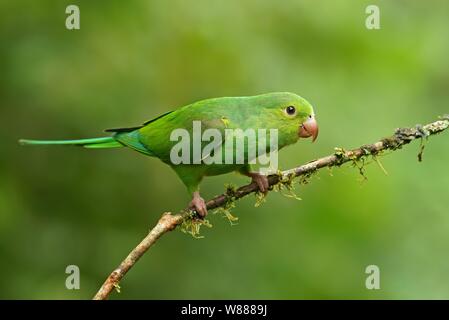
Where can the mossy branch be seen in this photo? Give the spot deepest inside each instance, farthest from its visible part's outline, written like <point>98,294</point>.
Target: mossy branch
<point>169,221</point>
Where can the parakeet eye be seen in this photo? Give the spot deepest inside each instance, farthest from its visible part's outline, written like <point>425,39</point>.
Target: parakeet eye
<point>290,110</point>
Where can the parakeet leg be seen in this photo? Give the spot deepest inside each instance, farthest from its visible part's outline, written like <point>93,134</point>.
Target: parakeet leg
<point>191,176</point>
<point>259,179</point>
<point>198,204</point>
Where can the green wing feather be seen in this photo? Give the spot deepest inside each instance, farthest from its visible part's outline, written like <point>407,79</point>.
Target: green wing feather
<point>132,140</point>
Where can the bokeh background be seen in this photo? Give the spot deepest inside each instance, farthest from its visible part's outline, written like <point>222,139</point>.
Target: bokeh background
<point>133,60</point>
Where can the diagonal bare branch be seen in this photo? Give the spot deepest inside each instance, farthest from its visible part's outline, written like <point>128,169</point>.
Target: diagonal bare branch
<point>168,221</point>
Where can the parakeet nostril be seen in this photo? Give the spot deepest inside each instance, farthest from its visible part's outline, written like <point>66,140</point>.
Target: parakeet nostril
<point>309,129</point>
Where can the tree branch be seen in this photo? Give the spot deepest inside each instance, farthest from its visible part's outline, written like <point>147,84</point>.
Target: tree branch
<point>170,221</point>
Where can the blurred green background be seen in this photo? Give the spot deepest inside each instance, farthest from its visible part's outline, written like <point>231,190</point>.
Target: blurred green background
<point>133,60</point>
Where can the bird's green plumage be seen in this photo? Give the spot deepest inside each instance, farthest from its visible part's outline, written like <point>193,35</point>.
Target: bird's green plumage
<point>254,112</point>
<point>104,142</point>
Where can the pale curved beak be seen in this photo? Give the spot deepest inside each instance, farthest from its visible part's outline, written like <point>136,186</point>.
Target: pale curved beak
<point>309,129</point>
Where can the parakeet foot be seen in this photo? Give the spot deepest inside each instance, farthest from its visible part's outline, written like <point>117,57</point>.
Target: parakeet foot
<point>261,181</point>
<point>198,204</point>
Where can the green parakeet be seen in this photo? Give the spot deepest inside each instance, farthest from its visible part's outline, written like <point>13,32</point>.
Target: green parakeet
<point>290,115</point>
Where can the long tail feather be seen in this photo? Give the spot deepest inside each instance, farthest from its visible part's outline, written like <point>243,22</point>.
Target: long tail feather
<point>105,142</point>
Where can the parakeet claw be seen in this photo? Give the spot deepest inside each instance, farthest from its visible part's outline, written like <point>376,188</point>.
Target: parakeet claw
<point>198,204</point>
<point>260,180</point>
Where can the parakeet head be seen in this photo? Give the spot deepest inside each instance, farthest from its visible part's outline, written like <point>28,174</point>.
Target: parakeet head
<point>291,114</point>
